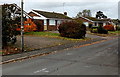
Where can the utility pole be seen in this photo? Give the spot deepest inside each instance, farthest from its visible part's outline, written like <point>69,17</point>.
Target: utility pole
<point>22,28</point>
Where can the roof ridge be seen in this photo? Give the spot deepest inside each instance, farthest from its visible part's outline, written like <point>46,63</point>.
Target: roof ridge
<point>48,12</point>
<point>52,14</point>
<point>87,19</point>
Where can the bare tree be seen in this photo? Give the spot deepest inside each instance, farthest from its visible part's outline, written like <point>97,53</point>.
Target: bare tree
<point>79,15</point>
<point>84,13</point>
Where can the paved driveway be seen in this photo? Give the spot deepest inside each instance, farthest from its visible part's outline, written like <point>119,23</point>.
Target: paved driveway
<point>38,42</point>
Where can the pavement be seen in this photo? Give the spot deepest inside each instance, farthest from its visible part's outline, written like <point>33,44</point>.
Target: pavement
<point>43,45</point>
<point>94,59</point>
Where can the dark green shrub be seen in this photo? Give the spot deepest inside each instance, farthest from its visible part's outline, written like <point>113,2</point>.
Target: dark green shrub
<point>90,25</point>
<point>117,27</point>
<point>8,25</point>
<point>72,29</point>
<point>101,30</point>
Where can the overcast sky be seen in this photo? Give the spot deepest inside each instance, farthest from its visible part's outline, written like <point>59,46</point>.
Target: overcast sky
<point>72,7</point>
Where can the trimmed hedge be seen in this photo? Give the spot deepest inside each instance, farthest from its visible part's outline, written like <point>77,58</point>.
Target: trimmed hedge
<point>72,29</point>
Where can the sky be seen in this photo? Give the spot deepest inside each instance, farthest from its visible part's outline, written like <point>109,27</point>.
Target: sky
<point>72,7</point>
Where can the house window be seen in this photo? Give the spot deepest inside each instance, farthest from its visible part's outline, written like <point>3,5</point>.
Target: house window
<point>45,22</point>
<point>52,22</point>
<point>86,23</point>
<point>58,22</point>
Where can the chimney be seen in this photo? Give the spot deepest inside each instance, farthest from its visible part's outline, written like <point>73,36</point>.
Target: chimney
<point>65,13</point>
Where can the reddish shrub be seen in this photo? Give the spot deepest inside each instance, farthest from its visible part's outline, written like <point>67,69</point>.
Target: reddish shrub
<point>29,26</point>
<point>109,27</point>
<point>72,29</point>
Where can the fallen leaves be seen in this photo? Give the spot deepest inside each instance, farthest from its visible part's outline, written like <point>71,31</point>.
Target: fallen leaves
<point>10,50</point>
<point>89,44</point>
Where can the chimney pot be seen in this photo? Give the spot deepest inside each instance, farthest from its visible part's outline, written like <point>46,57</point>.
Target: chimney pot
<point>65,13</point>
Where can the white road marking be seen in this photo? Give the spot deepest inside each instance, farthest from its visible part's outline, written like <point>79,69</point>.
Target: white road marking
<point>42,70</point>
<point>87,66</point>
<point>69,53</point>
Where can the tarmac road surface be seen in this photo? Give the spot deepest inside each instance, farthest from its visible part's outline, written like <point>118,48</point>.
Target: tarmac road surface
<point>96,59</point>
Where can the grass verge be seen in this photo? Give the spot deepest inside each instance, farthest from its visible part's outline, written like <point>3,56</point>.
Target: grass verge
<point>114,32</point>
<point>52,35</point>
<point>110,33</point>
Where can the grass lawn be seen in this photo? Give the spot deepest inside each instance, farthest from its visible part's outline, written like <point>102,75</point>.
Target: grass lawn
<point>52,35</point>
<point>43,34</point>
<point>110,33</point>
<point>1,52</point>
<point>114,32</point>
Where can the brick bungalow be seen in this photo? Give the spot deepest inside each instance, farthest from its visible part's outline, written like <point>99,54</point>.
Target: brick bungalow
<point>94,21</point>
<point>51,20</point>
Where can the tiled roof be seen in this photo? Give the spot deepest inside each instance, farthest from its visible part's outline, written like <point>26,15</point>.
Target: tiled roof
<point>33,14</point>
<point>116,21</point>
<point>95,19</point>
<point>52,14</point>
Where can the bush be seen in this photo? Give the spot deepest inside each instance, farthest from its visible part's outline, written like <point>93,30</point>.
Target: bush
<point>109,27</point>
<point>102,30</point>
<point>8,25</point>
<point>94,29</point>
<point>90,25</point>
<point>72,29</point>
<point>117,27</point>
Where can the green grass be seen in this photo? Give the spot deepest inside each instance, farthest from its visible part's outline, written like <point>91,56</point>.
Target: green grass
<point>1,53</point>
<point>52,35</point>
<point>42,33</point>
<point>114,32</point>
<point>110,33</point>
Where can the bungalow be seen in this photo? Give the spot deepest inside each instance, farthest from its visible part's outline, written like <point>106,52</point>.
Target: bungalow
<point>86,21</point>
<point>116,22</point>
<point>94,21</point>
<point>51,20</point>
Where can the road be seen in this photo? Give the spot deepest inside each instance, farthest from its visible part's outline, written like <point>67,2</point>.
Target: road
<point>96,59</point>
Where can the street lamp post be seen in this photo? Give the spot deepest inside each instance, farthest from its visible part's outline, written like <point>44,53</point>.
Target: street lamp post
<point>22,28</point>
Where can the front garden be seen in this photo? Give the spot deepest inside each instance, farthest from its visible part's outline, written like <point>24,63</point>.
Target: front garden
<point>38,40</point>
<point>104,31</point>
<point>69,32</point>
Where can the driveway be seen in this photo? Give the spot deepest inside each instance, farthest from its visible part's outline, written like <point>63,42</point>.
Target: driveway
<point>38,42</point>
